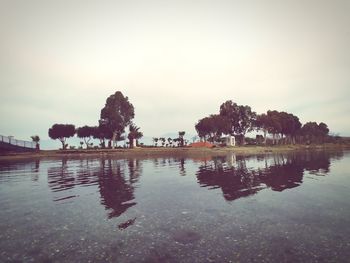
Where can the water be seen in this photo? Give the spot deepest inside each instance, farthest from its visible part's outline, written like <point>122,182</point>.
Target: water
<point>266,208</point>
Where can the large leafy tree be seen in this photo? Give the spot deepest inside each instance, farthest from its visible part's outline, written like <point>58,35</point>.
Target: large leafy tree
<point>274,125</point>
<point>86,133</point>
<point>116,115</point>
<point>313,132</point>
<point>102,133</point>
<point>241,118</point>
<point>262,123</point>
<point>278,124</point>
<point>212,127</point>
<point>62,132</point>
<point>290,125</point>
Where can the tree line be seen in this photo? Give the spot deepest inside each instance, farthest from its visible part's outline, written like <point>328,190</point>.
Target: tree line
<point>171,142</point>
<point>237,120</point>
<point>233,120</point>
<point>115,117</point>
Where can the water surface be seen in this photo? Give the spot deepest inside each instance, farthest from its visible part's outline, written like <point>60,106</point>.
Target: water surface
<point>265,208</point>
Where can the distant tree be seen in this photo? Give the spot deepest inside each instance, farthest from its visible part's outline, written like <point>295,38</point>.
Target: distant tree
<point>279,124</point>
<point>211,128</point>
<point>116,115</point>
<point>323,129</point>
<point>134,134</point>
<point>155,141</point>
<point>170,141</point>
<point>102,133</point>
<point>35,138</point>
<point>162,139</point>
<point>312,132</point>
<point>241,118</point>
<point>290,126</point>
<point>181,138</point>
<point>177,141</point>
<point>62,132</point>
<point>262,123</point>
<point>275,126</point>
<point>86,133</point>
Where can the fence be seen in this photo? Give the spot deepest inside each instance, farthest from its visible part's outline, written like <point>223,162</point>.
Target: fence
<point>20,143</point>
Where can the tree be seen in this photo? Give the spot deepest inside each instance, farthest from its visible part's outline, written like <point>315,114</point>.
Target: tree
<point>162,139</point>
<point>290,126</point>
<point>102,133</point>
<point>116,115</point>
<point>274,125</point>
<point>212,127</point>
<point>241,118</point>
<point>134,134</point>
<point>262,123</point>
<point>155,141</point>
<point>36,140</point>
<point>86,132</point>
<point>62,132</point>
<point>323,129</point>
<point>278,124</point>
<point>181,138</point>
<point>312,132</point>
<point>170,141</point>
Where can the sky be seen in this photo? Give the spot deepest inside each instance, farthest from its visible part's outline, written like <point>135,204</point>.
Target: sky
<point>177,61</point>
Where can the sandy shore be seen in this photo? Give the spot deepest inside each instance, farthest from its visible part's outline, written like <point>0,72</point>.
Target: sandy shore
<point>168,152</point>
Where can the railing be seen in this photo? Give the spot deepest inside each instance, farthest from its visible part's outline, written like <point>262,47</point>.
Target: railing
<point>20,143</point>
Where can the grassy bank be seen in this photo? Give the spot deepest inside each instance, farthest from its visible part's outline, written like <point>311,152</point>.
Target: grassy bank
<point>168,152</point>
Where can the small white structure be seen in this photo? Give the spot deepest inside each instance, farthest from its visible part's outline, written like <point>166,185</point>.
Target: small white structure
<point>230,141</point>
<point>133,143</point>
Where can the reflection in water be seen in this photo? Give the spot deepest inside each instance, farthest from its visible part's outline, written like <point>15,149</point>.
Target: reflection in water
<point>116,189</point>
<point>115,180</point>
<point>243,176</point>
<point>55,210</point>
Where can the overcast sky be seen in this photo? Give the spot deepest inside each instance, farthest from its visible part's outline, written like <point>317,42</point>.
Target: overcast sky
<point>177,61</point>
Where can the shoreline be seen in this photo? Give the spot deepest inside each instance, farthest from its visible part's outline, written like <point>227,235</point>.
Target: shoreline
<point>169,152</point>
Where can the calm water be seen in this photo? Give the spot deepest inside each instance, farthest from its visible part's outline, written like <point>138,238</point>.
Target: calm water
<point>266,208</point>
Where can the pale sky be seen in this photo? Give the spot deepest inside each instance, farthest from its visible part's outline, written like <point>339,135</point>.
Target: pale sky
<point>177,61</point>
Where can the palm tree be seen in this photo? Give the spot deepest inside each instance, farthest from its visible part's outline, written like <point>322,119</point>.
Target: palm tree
<point>155,141</point>
<point>181,138</point>
<point>134,134</point>
<point>36,140</point>
<point>162,139</point>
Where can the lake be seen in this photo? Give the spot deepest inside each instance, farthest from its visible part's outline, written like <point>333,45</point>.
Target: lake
<point>291,207</point>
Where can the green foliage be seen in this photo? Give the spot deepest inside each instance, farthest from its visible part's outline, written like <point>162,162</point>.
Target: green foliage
<point>86,132</point>
<point>311,132</point>
<point>134,134</point>
<point>241,118</point>
<point>212,127</point>
<point>116,115</point>
<point>238,120</point>
<point>35,138</point>
<point>61,132</point>
<point>155,141</point>
<point>181,138</point>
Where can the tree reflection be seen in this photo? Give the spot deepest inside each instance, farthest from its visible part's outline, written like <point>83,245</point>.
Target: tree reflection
<point>115,180</point>
<point>241,176</point>
<point>117,192</point>
<point>61,177</point>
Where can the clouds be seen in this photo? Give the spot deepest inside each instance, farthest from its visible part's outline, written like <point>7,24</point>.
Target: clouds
<point>177,61</point>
